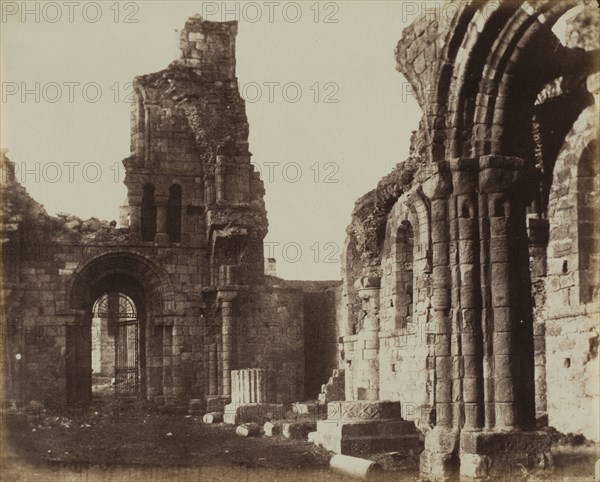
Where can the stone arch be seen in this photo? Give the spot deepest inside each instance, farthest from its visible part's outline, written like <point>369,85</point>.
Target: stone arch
<point>490,63</point>
<point>151,292</point>
<point>153,280</point>
<point>404,258</point>
<point>566,285</point>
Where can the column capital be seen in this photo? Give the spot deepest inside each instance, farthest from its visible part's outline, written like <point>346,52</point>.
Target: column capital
<point>367,283</point>
<point>505,173</point>
<point>436,180</point>
<point>226,295</point>
<point>464,172</point>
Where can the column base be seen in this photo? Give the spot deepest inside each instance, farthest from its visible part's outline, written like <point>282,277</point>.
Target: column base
<point>361,438</point>
<point>439,460</point>
<point>236,413</point>
<point>360,428</point>
<point>501,454</point>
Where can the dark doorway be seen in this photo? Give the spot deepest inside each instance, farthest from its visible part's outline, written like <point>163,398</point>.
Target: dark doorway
<point>106,352</point>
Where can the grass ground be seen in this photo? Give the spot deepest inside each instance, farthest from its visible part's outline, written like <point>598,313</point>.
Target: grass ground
<point>119,441</point>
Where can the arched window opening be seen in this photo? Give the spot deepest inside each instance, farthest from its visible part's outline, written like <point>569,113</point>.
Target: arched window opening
<point>588,207</point>
<point>404,274</point>
<point>115,346</point>
<point>148,214</point>
<point>174,213</point>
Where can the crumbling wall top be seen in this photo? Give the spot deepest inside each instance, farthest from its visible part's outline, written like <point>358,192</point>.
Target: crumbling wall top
<point>209,47</point>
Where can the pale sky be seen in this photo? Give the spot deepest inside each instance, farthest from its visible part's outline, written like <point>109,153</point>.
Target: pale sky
<point>355,141</point>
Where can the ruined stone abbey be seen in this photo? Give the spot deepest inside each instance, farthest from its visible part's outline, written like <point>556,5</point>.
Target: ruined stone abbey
<point>467,317</point>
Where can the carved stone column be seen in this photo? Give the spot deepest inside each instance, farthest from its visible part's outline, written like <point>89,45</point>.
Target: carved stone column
<point>213,375</point>
<point>503,184</point>
<point>226,299</point>
<point>468,364</point>
<point>209,185</point>
<point>440,457</point>
<point>161,237</point>
<point>135,217</point>
<point>220,178</point>
<point>508,444</point>
<point>249,386</point>
<point>367,384</point>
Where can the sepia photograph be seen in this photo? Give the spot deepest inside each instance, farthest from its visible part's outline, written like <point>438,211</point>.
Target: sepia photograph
<point>300,240</point>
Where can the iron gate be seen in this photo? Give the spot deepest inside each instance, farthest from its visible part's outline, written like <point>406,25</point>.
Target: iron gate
<point>123,324</point>
<point>126,358</point>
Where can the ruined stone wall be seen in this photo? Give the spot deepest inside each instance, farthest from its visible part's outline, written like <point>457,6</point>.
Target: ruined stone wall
<point>406,291</point>
<point>188,253</point>
<point>572,310</point>
<point>502,231</point>
<point>270,335</point>
<point>39,311</point>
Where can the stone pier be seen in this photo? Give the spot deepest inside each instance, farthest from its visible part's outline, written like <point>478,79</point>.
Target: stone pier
<point>365,427</point>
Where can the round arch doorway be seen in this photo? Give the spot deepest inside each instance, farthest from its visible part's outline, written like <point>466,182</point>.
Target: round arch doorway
<point>115,346</point>
<point>106,351</point>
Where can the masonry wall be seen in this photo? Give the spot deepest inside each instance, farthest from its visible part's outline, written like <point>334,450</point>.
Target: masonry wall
<point>270,335</point>
<point>321,301</point>
<point>404,311</point>
<point>189,135</point>
<point>38,312</point>
<point>572,310</point>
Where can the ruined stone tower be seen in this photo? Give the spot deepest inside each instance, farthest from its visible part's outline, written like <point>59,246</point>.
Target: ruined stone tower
<point>189,177</point>
<point>185,271</point>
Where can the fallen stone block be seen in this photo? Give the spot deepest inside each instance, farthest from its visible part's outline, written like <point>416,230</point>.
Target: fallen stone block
<point>272,428</point>
<point>355,467</point>
<point>253,412</point>
<point>248,430</point>
<point>213,417</point>
<point>298,430</point>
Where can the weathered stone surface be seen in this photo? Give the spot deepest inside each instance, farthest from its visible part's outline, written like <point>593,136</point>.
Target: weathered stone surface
<point>272,428</point>
<point>248,430</point>
<point>501,454</point>
<point>481,314</point>
<point>359,410</point>
<point>253,412</point>
<point>190,246</point>
<point>355,467</point>
<point>213,417</point>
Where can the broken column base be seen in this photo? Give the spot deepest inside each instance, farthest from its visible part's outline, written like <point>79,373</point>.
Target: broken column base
<point>439,459</point>
<point>358,438</point>
<point>501,454</point>
<point>236,413</point>
<point>361,428</point>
